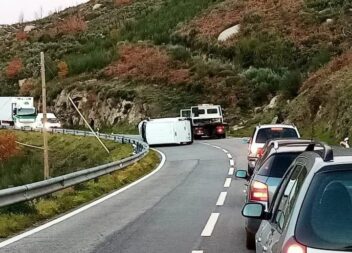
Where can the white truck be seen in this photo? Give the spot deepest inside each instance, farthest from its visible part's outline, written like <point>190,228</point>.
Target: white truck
<point>166,131</point>
<point>18,112</point>
<point>207,120</point>
<point>52,121</point>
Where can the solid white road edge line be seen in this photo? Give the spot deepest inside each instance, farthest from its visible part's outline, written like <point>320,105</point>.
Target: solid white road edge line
<point>231,171</point>
<point>221,199</point>
<point>83,208</point>
<point>227,182</point>
<point>209,227</point>
<point>232,163</point>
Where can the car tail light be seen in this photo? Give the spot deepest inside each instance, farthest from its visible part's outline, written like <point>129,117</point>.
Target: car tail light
<point>292,246</point>
<point>260,152</point>
<point>258,192</point>
<point>220,129</point>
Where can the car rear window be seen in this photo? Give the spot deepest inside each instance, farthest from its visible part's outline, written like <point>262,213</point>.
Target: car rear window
<point>212,111</point>
<point>325,219</point>
<point>265,134</point>
<point>277,164</point>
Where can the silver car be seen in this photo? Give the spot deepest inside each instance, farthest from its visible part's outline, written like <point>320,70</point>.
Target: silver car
<point>279,155</point>
<point>312,208</point>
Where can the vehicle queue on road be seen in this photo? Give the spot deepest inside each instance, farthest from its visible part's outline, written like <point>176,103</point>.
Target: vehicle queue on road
<point>299,193</point>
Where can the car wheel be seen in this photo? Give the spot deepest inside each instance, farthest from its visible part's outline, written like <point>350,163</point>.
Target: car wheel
<point>250,241</point>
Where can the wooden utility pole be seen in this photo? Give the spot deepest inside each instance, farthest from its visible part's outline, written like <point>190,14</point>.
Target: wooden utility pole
<point>87,124</point>
<point>45,136</point>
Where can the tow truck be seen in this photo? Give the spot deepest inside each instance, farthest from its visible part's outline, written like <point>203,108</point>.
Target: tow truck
<point>207,121</point>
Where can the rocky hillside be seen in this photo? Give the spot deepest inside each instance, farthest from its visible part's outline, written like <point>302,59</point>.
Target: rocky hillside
<point>122,60</point>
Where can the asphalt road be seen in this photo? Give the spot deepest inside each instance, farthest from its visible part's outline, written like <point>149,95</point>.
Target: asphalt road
<point>191,204</point>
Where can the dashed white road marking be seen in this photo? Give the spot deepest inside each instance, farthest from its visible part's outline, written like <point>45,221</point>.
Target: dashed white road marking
<point>225,151</point>
<point>231,171</point>
<point>232,163</point>
<point>209,227</point>
<point>197,251</point>
<point>229,156</point>
<point>83,208</point>
<point>221,199</point>
<point>227,182</point>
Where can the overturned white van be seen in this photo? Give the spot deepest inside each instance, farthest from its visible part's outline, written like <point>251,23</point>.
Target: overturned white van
<point>166,131</point>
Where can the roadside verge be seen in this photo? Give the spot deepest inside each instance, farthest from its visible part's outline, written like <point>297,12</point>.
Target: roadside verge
<point>19,217</point>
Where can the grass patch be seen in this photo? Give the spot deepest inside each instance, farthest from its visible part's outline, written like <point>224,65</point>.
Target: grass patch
<point>159,24</point>
<point>14,219</point>
<point>92,60</point>
<point>67,154</point>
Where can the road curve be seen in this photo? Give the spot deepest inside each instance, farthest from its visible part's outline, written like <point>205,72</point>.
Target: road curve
<point>190,204</point>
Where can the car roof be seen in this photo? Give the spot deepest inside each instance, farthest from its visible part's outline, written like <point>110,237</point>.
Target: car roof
<point>276,125</point>
<point>326,156</point>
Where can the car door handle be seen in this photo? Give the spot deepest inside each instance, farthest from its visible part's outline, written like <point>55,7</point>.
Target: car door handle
<point>265,249</point>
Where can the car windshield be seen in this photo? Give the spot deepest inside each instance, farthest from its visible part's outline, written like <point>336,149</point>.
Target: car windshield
<point>25,111</point>
<point>277,164</point>
<point>265,134</point>
<point>325,220</point>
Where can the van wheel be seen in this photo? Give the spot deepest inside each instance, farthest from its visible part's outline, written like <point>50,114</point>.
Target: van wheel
<point>250,240</point>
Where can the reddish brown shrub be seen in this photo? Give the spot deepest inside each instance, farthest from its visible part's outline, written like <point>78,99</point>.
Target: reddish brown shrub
<point>123,2</point>
<point>179,76</point>
<point>26,88</point>
<point>21,36</point>
<point>143,62</point>
<point>14,67</point>
<point>72,25</point>
<point>62,69</point>
<point>337,64</point>
<point>8,146</point>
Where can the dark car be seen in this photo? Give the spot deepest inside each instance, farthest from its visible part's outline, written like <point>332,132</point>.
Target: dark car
<point>312,208</point>
<point>267,176</point>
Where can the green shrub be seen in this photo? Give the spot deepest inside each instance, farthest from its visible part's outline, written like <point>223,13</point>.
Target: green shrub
<point>319,59</point>
<point>264,51</point>
<point>159,24</point>
<point>265,82</point>
<point>84,62</point>
<point>47,208</point>
<point>291,83</point>
<point>180,53</point>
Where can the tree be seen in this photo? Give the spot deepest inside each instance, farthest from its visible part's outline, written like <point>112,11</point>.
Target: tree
<point>14,67</point>
<point>8,146</point>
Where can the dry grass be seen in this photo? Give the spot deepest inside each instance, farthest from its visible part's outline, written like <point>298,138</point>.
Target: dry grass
<point>284,16</point>
<point>335,65</point>
<point>123,2</point>
<point>143,62</point>
<point>72,25</point>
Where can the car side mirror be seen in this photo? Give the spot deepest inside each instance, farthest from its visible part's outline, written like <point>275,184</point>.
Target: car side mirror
<point>254,210</point>
<point>242,174</point>
<point>245,140</point>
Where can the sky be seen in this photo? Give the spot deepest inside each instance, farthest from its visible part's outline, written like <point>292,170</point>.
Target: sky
<point>12,11</point>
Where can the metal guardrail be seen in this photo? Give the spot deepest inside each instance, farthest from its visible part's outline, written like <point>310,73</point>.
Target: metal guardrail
<point>30,191</point>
